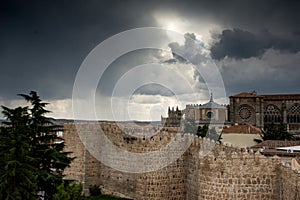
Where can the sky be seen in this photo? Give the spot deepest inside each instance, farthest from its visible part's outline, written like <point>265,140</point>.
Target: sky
<point>254,45</point>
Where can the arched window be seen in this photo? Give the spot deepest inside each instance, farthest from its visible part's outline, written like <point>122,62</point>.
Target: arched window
<point>293,115</point>
<point>272,114</point>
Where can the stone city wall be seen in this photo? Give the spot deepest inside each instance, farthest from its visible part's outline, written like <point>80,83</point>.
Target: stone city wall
<point>207,170</point>
<point>289,183</point>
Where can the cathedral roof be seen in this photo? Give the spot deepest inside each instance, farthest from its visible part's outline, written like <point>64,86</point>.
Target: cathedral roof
<point>246,94</point>
<point>211,104</point>
<point>269,96</point>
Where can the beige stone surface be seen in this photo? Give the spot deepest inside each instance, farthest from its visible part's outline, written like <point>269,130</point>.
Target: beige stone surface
<point>202,172</point>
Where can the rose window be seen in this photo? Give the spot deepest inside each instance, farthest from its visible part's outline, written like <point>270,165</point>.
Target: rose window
<point>245,113</point>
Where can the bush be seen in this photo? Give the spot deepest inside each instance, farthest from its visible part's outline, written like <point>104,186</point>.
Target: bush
<point>72,191</point>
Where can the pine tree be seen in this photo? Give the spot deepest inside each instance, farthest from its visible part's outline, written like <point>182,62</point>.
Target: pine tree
<point>47,147</point>
<point>31,154</point>
<point>18,173</point>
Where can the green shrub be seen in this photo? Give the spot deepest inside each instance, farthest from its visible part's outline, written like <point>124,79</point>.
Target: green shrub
<point>72,191</point>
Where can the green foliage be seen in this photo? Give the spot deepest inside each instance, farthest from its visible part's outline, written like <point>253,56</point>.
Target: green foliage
<point>202,131</point>
<point>191,127</point>
<point>46,146</point>
<point>94,190</point>
<point>30,146</point>
<point>18,170</point>
<point>274,132</point>
<point>72,191</point>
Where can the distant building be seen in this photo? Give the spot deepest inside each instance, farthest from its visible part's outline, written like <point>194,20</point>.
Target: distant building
<point>258,110</point>
<point>208,113</point>
<point>264,109</point>
<point>174,118</point>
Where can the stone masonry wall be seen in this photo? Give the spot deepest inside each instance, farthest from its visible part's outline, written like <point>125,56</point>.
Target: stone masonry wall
<point>88,170</point>
<point>289,184</point>
<point>167,183</point>
<point>245,176</point>
<point>74,145</point>
<point>207,170</point>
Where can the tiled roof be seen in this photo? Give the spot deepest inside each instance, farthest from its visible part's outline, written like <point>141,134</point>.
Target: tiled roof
<point>242,128</point>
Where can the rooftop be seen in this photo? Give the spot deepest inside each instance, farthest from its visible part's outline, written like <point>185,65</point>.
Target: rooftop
<point>277,147</point>
<point>211,104</point>
<point>273,144</point>
<point>247,94</point>
<point>268,96</point>
<point>242,128</point>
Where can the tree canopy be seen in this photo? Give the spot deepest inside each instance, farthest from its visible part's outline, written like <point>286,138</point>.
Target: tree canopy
<point>276,132</point>
<point>203,131</point>
<point>32,156</point>
<point>18,177</point>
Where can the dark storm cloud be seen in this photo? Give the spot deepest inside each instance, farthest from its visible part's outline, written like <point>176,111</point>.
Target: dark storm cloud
<point>253,15</point>
<point>43,43</point>
<point>273,72</point>
<point>240,44</point>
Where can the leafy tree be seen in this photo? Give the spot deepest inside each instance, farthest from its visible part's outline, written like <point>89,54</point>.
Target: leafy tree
<point>191,127</point>
<point>18,169</point>
<point>274,132</point>
<point>39,147</point>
